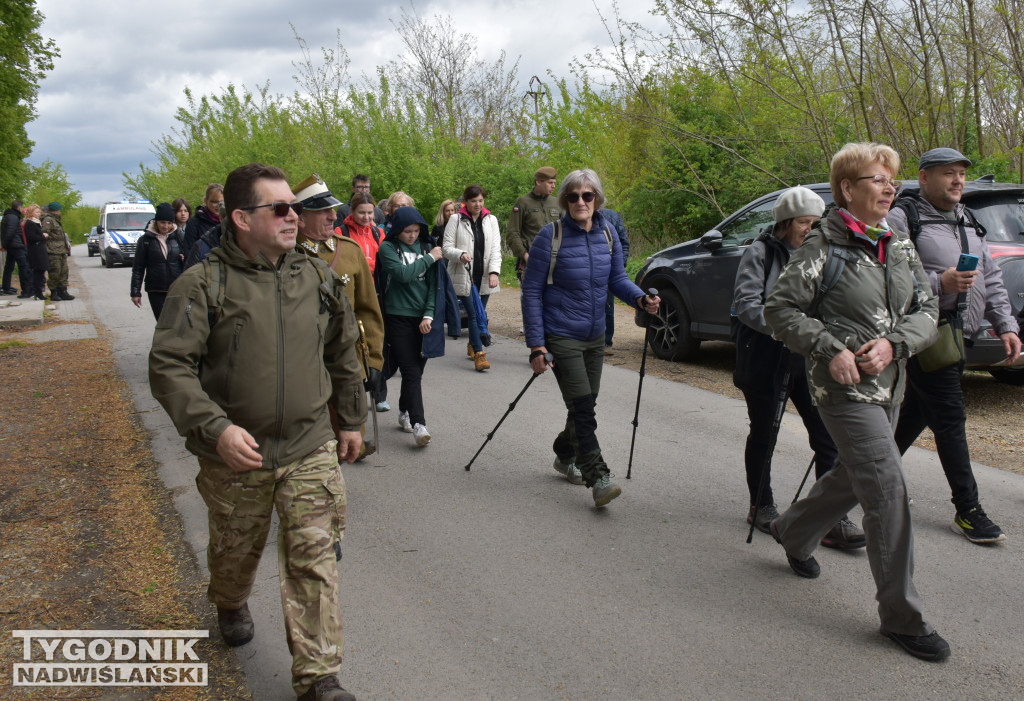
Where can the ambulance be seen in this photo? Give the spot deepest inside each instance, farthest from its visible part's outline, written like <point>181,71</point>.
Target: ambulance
<point>120,227</point>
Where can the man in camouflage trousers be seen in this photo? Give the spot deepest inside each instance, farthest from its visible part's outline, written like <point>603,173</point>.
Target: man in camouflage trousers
<point>58,248</point>
<point>275,336</point>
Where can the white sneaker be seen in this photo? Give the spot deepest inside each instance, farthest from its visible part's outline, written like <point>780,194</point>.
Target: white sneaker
<point>404,423</point>
<point>421,434</point>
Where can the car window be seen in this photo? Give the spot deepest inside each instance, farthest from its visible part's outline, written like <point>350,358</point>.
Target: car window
<point>1002,215</point>
<point>745,228</point>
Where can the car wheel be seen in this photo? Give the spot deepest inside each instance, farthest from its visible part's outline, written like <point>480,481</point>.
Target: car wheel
<point>90,254</point>
<point>107,263</point>
<point>1010,376</point>
<point>670,329</point>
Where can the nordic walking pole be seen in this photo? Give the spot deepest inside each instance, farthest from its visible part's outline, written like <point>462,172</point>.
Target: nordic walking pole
<point>780,410</point>
<point>804,480</point>
<point>550,359</point>
<point>639,388</point>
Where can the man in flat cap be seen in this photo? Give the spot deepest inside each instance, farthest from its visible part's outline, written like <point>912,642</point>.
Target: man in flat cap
<point>317,237</point>
<point>942,229</point>
<point>529,215</point>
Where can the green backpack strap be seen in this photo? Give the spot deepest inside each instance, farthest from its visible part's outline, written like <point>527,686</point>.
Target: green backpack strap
<point>215,272</point>
<point>556,243</point>
<point>835,263</point>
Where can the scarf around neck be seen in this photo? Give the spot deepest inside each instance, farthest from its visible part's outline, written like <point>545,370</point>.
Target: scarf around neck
<point>874,237</point>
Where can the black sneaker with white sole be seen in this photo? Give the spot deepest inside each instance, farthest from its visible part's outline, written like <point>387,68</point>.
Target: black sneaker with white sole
<point>977,527</point>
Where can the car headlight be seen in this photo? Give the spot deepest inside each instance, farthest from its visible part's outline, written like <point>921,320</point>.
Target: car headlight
<point>113,244</point>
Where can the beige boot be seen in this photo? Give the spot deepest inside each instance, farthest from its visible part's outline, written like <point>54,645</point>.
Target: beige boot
<point>469,349</point>
<point>480,359</point>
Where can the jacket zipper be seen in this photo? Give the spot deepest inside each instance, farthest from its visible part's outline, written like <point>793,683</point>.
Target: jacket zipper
<point>280,370</point>
<point>232,358</point>
<point>593,296</point>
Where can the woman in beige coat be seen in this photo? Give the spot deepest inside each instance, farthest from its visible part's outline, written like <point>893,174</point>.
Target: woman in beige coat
<point>472,247</point>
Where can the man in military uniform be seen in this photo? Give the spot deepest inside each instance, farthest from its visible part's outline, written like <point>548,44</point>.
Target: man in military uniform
<point>529,215</point>
<point>261,427</point>
<point>58,248</point>
<point>317,237</point>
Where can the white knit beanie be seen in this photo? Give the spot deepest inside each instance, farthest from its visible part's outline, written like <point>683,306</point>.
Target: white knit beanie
<point>798,202</point>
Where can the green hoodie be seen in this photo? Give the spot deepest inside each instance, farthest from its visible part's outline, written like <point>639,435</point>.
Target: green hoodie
<point>271,362</point>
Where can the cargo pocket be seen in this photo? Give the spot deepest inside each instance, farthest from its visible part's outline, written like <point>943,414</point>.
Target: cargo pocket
<point>222,530</point>
<point>338,504</point>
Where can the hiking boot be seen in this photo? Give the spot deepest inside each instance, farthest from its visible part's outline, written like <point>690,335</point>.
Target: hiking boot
<point>929,647</point>
<point>404,423</point>
<point>845,535</point>
<point>469,349</point>
<point>64,294</point>
<point>808,569</point>
<point>25,295</point>
<point>421,434</point>
<point>8,291</point>
<point>764,516</point>
<point>236,627</point>
<point>54,296</point>
<point>383,406</point>
<point>480,360</point>
<point>604,490</point>
<point>568,469</point>
<point>327,689</point>
<point>976,527</point>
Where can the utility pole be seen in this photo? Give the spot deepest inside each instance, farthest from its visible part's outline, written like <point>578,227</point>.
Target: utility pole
<point>536,93</point>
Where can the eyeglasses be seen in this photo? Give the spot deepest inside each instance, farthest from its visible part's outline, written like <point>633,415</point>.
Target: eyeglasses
<point>280,208</point>
<point>882,181</point>
<point>574,197</point>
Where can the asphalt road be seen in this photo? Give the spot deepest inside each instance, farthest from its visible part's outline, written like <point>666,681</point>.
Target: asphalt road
<point>505,582</point>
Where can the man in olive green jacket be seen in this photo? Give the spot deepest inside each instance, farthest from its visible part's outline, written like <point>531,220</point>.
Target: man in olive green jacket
<point>530,214</point>
<point>58,248</point>
<point>250,350</point>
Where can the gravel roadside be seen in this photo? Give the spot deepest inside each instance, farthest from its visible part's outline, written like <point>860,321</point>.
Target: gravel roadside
<point>994,409</point>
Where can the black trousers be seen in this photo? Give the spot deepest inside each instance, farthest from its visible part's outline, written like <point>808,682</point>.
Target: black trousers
<point>761,407</point>
<point>17,256</point>
<point>936,400</point>
<point>156,302</point>
<point>406,344</point>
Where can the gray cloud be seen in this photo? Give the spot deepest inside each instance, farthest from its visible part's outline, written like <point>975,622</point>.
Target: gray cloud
<point>124,65</point>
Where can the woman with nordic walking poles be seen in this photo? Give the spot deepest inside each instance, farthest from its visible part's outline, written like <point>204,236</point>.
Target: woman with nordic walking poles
<point>872,317</point>
<point>573,263</point>
<point>472,247</point>
<point>760,359</point>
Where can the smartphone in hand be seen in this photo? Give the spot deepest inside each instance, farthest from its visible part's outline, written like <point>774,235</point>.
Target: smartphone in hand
<point>967,262</point>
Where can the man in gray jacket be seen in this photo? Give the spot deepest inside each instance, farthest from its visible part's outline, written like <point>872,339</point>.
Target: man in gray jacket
<point>935,399</point>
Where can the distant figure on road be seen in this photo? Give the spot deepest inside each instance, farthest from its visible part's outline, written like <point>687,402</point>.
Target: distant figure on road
<point>275,337</point>
<point>563,314</point>
<point>12,239</point>
<point>207,216</point>
<point>38,261</point>
<point>877,313</point>
<point>58,248</point>
<point>159,259</point>
<point>935,399</point>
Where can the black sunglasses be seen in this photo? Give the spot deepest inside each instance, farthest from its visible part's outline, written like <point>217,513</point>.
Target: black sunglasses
<point>574,197</point>
<point>280,208</point>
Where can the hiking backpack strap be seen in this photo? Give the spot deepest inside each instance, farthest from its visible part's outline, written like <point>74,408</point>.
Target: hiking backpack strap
<point>556,243</point>
<point>835,263</point>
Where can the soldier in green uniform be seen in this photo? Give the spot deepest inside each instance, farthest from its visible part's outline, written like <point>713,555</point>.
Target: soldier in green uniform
<point>318,237</point>
<point>58,248</point>
<point>275,336</point>
<point>529,215</point>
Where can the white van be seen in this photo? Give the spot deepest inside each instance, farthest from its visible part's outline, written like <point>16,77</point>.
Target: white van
<point>121,224</point>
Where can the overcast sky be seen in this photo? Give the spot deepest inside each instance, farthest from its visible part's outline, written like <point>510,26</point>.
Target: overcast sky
<point>124,64</point>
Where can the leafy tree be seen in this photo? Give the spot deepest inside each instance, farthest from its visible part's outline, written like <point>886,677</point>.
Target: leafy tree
<point>25,56</point>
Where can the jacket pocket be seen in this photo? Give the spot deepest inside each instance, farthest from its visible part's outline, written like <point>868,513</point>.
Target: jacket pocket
<point>236,341</point>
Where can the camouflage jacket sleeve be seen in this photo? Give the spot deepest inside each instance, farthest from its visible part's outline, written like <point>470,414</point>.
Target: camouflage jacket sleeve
<point>917,328</point>
<point>55,243</point>
<point>514,234</point>
<point>794,291</point>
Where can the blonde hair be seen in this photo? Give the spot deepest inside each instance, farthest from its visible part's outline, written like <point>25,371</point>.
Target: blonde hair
<point>439,219</point>
<point>851,159</point>
<point>29,208</point>
<point>390,207</point>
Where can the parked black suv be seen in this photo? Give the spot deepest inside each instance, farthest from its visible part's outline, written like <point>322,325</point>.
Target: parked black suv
<point>695,278</point>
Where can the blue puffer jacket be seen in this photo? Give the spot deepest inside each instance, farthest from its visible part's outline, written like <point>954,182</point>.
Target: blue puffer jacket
<point>573,305</point>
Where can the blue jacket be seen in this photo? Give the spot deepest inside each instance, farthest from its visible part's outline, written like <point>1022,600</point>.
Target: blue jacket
<point>573,305</point>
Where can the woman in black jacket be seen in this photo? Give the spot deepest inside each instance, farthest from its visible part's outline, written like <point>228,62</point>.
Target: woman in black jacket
<point>38,260</point>
<point>159,258</point>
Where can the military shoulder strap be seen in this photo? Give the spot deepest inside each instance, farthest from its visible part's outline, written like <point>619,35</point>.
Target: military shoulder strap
<point>556,243</point>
